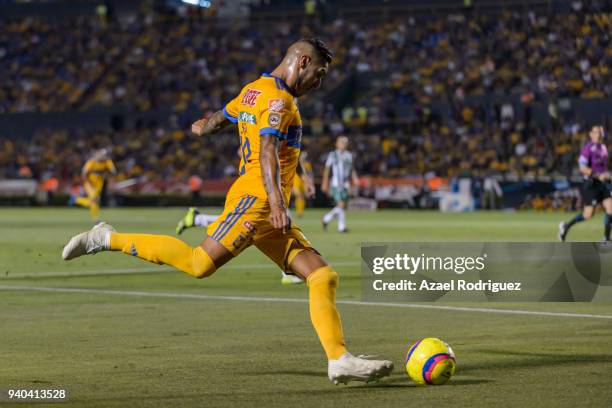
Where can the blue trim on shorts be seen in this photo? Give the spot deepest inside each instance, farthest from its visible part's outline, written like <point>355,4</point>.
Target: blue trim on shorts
<point>230,221</point>
<point>246,206</point>
<point>230,215</point>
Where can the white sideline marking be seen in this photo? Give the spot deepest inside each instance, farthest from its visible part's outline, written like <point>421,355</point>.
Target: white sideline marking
<point>292,300</point>
<point>151,269</point>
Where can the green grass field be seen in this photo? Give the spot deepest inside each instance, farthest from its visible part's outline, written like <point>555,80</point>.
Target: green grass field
<point>136,334</point>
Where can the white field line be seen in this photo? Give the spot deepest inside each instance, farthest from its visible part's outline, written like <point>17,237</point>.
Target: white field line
<point>150,269</point>
<point>295,300</point>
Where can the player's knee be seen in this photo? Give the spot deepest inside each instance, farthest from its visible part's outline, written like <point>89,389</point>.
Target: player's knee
<point>324,276</point>
<point>202,264</point>
<point>201,273</point>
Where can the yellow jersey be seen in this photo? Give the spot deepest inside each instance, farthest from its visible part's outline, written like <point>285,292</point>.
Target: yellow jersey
<point>95,171</point>
<point>265,106</point>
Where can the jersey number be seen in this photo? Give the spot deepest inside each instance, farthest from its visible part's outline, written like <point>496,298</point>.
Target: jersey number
<point>246,154</point>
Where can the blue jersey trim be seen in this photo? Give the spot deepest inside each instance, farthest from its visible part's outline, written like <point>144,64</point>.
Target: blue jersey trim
<point>228,116</point>
<point>294,136</point>
<point>279,83</point>
<point>273,131</point>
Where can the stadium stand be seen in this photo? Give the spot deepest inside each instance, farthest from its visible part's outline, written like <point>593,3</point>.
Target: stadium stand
<point>502,93</point>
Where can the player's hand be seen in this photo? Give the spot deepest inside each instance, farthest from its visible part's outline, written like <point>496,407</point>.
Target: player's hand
<point>325,188</point>
<point>279,218</point>
<point>197,127</point>
<point>604,176</point>
<point>310,189</point>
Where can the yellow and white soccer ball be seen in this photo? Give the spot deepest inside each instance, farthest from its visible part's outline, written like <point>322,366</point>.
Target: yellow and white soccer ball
<point>430,361</point>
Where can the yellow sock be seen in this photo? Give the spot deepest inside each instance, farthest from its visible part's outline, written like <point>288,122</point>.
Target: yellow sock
<point>323,312</point>
<point>162,249</point>
<point>94,210</point>
<point>82,201</point>
<point>300,204</point>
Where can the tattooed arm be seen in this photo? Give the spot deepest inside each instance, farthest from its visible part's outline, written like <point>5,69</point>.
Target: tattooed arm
<point>270,171</point>
<point>212,125</point>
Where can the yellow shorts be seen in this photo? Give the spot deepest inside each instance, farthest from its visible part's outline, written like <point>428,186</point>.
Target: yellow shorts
<point>93,191</point>
<point>244,222</point>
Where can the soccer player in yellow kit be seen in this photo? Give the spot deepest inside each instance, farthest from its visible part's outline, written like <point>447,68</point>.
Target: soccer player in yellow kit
<point>303,187</point>
<point>255,211</point>
<point>95,172</point>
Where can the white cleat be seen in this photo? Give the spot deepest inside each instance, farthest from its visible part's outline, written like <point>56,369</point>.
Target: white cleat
<point>291,279</point>
<point>350,368</point>
<point>562,231</point>
<point>89,242</point>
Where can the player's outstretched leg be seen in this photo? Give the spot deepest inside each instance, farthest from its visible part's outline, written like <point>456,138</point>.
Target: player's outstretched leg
<point>94,209</point>
<point>327,218</point>
<point>194,218</point>
<point>322,283</point>
<point>81,201</point>
<point>300,204</point>
<point>564,227</point>
<point>342,218</point>
<point>607,205</point>
<point>204,220</point>
<point>159,249</point>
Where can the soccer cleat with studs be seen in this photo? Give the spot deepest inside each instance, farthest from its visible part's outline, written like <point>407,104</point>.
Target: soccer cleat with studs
<point>187,221</point>
<point>350,368</point>
<point>89,242</point>
<point>562,231</point>
<point>291,279</point>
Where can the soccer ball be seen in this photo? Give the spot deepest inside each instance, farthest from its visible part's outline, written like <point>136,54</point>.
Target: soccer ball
<point>430,361</point>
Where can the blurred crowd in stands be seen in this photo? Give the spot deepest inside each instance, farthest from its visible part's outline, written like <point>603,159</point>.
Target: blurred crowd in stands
<point>162,153</point>
<point>151,62</point>
<point>48,65</point>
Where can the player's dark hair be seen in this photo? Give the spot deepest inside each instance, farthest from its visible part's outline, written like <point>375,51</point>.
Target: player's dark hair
<point>324,52</point>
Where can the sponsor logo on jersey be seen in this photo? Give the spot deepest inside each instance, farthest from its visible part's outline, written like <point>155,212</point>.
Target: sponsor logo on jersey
<point>276,105</point>
<point>250,97</point>
<point>247,117</point>
<point>274,119</point>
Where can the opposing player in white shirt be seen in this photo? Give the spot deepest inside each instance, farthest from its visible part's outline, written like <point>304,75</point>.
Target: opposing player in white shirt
<point>337,177</point>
